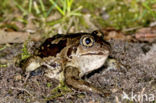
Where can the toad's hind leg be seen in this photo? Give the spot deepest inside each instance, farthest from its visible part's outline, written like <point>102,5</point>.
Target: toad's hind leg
<point>72,79</point>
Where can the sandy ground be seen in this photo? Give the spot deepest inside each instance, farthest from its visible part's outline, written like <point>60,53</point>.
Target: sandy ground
<point>136,79</point>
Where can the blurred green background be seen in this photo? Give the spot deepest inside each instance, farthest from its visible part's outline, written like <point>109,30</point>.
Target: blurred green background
<point>77,15</point>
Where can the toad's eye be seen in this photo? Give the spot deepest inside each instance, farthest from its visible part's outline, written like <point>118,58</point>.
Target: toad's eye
<point>87,41</point>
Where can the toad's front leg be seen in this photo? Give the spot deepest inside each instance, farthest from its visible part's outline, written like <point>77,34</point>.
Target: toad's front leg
<point>72,79</point>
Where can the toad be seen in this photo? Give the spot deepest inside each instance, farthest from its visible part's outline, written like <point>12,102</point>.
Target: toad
<point>69,57</point>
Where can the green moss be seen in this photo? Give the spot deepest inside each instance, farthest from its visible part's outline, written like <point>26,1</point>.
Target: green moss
<point>2,48</point>
<point>49,85</point>
<point>3,65</point>
<point>25,54</point>
<point>60,90</point>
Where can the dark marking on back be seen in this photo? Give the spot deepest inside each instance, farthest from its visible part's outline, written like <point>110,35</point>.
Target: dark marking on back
<point>53,49</point>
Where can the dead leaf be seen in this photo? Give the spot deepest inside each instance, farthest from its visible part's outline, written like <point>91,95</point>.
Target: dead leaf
<point>13,37</point>
<point>110,33</point>
<point>146,34</point>
<point>36,37</point>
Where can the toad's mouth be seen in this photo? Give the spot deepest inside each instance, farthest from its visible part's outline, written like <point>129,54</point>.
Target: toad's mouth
<point>99,53</point>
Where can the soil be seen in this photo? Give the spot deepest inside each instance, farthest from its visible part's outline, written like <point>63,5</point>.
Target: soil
<point>137,77</point>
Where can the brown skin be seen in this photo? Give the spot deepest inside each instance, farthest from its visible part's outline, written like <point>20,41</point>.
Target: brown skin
<point>74,56</point>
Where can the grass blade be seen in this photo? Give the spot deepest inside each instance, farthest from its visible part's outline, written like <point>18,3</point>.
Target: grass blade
<point>43,8</point>
<point>30,6</point>
<point>36,8</point>
<point>57,7</point>
<point>21,8</point>
<point>49,11</point>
